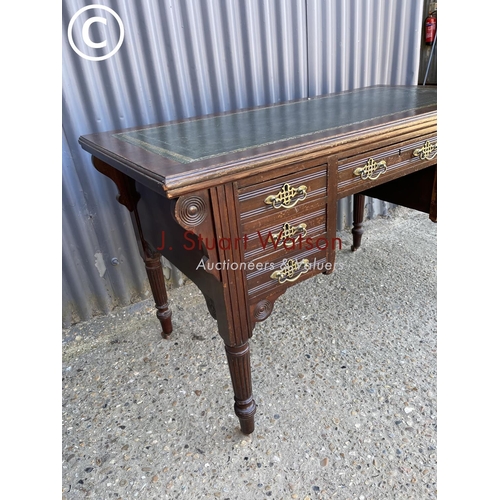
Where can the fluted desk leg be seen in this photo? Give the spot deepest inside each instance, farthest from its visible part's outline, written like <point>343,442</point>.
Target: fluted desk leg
<point>157,282</point>
<point>239,366</point>
<point>358,216</point>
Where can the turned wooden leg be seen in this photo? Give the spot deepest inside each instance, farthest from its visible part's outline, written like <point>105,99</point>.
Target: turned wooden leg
<point>239,366</point>
<point>157,282</point>
<point>358,215</point>
<point>129,197</point>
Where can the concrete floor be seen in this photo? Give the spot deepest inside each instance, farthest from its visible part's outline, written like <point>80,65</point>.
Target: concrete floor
<point>344,376</point>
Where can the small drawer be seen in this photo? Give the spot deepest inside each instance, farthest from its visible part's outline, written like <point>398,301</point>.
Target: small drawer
<point>285,195</point>
<point>284,271</point>
<point>269,235</point>
<point>375,167</point>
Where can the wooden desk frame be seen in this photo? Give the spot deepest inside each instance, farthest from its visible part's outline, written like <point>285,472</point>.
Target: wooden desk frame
<point>205,219</point>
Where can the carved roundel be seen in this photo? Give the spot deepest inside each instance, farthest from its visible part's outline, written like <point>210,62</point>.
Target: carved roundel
<point>191,210</point>
<point>262,310</point>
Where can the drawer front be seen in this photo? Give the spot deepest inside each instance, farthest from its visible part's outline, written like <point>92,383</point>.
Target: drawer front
<point>270,235</point>
<point>284,223</point>
<point>378,166</point>
<point>285,195</point>
<point>284,271</point>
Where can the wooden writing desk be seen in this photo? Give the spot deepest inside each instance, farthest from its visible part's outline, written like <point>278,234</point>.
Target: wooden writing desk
<point>244,203</point>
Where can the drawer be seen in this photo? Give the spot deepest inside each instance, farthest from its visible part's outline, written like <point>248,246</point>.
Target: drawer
<point>375,167</point>
<point>285,195</point>
<point>265,237</point>
<point>285,226</point>
<point>284,271</point>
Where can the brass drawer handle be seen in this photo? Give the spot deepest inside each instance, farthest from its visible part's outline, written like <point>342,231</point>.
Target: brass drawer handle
<point>291,270</point>
<point>289,235</point>
<point>372,169</point>
<point>428,151</point>
<point>287,197</point>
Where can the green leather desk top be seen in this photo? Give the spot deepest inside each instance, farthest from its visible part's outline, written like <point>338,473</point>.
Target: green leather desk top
<point>182,155</point>
<point>203,138</point>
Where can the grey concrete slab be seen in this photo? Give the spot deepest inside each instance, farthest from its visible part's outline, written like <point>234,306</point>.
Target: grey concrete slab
<point>344,376</point>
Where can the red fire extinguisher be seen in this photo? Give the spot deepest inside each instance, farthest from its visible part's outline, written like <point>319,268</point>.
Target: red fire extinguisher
<point>430,28</point>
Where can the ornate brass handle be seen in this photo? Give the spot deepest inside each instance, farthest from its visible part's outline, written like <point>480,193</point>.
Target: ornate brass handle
<point>287,197</point>
<point>291,270</point>
<point>289,235</point>
<point>428,151</point>
<point>372,169</point>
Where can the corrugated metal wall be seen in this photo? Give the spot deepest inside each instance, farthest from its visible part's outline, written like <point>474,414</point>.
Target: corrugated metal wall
<point>182,58</point>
